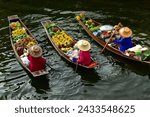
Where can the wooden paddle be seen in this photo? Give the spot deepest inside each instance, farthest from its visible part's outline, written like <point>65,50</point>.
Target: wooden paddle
<point>76,66</point>
<point>119,24</point>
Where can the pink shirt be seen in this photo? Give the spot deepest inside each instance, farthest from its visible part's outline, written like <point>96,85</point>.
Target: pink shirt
<point>84,58</point>
<point>36,63</point>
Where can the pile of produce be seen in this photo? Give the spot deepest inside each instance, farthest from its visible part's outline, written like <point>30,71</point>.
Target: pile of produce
<point>91,26</point>
<point>52,29</point>
<point>139,52</point>
<point>60,38</point>
<point>15,25</point>
<point>95,28</point>
<point>146,55</point>
<point>18,34</point>
<point>88,22</point>
<point>20,37</point>
<point>25,42</point>
<point>63,40</point>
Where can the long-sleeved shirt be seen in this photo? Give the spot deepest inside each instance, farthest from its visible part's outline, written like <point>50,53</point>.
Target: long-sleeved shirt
<point>84,58</point>
<point>36,63</point>
<point>125,43</point>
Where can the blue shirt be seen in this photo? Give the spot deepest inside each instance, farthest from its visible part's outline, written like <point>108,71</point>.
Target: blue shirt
<point>125,43</point>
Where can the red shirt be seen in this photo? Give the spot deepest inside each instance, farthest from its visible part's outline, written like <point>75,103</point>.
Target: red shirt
<point>37,63</point>
<point>84,58</point>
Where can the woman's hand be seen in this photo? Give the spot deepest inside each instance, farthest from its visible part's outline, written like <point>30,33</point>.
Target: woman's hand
<point>113,39</point>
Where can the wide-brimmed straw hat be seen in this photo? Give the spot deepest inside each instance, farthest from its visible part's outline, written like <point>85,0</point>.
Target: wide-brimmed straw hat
<point>83,45</point>
<point>125,32</point>
<point>35,51</point>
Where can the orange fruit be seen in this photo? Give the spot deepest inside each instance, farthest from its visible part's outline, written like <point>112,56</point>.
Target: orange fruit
<point>77,17</point>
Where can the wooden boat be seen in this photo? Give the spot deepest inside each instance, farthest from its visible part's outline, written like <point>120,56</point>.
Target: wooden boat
<point>105,45</point>
<point>15,18</point>
<point>59,49</point>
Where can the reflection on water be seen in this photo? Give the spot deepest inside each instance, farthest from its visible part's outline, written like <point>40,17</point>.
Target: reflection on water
<point>112,80</point>
<point>41,84</point>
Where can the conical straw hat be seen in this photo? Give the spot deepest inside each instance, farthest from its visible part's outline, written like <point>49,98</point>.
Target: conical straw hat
<point>83,45</point>
<point>125,32</point>
<point>35,51</point>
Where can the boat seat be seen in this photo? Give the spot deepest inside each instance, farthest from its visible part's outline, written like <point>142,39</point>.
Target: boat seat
<point>39,72</point>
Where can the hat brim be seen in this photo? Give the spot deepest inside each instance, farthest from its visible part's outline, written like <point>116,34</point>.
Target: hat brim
<point>123,34</point>
<point>34,54</point>
<point>84,48</point>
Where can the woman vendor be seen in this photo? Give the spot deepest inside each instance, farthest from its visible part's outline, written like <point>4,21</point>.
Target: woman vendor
<point>125,42</point>
<point>84,53</point>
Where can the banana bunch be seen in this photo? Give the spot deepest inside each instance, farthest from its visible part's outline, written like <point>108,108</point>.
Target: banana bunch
<point>18,32</point>
<point>31,43</point>
<point>63,40</point>
<point>65,50</point>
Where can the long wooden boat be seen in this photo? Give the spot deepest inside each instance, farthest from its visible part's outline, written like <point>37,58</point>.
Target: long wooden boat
<point>13,19</point>
<point>104,44</point>
<point>58,48</point>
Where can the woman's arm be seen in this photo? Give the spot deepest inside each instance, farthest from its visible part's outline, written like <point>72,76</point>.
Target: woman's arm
<point>118,41</point>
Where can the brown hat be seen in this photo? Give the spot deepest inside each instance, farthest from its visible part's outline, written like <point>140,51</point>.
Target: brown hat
<point>83,45</point>
<point>125,32</point>
<point>35,51</point>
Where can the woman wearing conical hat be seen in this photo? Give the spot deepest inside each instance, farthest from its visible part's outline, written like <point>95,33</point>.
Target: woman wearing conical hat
<point>84,53</point>
<point>37,62</point>
<point>125,42</point>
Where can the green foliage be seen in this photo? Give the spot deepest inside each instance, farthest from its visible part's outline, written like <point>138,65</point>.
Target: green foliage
<point>50,25</point>
<point>19,37</point>
<point>82,18</point>
<point>146,54</point>
<point>94,28</point>
<point>53,29</point>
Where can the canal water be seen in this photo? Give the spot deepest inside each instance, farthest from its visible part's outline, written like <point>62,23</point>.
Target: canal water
<point>114,79</point>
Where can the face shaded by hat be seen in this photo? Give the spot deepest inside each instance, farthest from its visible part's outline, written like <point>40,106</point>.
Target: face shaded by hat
<point>83,45</point>
<point>35,51</point>
<point>125,32</point>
